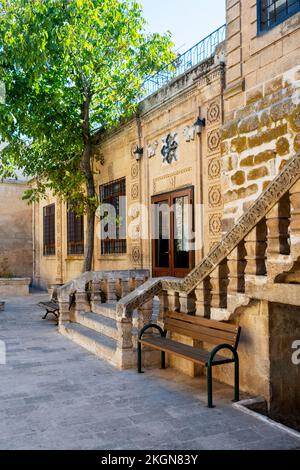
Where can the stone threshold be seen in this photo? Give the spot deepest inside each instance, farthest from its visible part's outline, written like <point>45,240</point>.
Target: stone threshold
<point>244,406</point>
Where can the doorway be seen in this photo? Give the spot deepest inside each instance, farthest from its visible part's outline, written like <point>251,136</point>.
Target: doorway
<point>173,233</point>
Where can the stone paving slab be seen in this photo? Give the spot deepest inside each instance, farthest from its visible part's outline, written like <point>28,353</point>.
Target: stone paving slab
<point>55,395</point>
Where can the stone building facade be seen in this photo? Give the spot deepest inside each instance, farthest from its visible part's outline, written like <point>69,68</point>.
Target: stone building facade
<point>241,164</point>
<point>16,247</point>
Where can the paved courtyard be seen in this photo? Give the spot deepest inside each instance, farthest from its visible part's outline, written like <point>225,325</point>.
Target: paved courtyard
<point>55,395</point>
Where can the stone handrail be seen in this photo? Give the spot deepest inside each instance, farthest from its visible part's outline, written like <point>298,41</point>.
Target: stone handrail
<point>265,202</point>
<point>78,284</point>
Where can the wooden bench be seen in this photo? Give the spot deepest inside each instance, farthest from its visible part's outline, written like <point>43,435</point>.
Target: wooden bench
<point>51,305</point>
<point>223,336</point>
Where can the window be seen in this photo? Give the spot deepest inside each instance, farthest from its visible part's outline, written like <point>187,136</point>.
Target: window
<point>273,12</point>
<point>75,233</point>
<point>49,230</point>
<point>114,194</point>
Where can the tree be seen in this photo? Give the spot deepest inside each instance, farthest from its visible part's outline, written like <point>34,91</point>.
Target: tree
<point>70,67</point>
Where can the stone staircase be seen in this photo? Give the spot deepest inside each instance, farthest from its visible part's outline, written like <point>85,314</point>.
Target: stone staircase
<point>96,332</point>
<point>253,259</point>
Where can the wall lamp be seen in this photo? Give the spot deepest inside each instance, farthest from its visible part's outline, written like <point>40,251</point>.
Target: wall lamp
<point>138,153</point>
<point>199,124</point>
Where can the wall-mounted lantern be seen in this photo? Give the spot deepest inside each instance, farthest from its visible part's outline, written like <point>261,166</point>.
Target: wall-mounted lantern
<point>199,124</point>
<point>138,153</point>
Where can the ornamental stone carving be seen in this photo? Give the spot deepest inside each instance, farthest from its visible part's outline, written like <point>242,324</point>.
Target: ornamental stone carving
<point>213,140</point>
<point>189,133</point>
<point>136,255</point>
<point>151,149</point>
<point>215,224</point>
<point>213,113</point>
<point>135,191</point>
<point>215,196</point>
<point>134,171</point>
<point>169,149</point>
<point>214,168</point>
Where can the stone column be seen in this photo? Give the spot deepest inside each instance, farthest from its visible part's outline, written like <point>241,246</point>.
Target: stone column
<point>124,287</point>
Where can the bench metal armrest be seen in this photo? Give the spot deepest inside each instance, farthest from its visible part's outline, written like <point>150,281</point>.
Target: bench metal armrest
<point>152,325</point>
<point>218,348</point>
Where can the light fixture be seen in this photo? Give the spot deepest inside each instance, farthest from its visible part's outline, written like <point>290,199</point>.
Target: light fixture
<point>138,153</point>
<point>199,124</point>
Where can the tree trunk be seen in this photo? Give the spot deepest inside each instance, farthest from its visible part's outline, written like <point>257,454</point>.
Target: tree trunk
<point>87,166</point>
<point>91,193</point>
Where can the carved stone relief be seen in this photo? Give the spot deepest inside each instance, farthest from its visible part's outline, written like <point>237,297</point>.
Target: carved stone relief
<point>151,149</point>
<point>213,113</point>
<point>189,133</point>
<point>213,140</point>
<point>169,149</point>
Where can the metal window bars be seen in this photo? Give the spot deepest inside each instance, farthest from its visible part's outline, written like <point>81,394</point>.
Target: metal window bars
<point>202,51</point>
<point>273,12</point>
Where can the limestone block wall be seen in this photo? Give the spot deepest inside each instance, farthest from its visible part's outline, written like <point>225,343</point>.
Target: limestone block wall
<point>259,141</point>
<point>253,350</point>
<point>261,105</point>
<point>16,257</point>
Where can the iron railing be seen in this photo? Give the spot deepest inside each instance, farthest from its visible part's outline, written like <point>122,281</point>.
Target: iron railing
<point>198,53</point>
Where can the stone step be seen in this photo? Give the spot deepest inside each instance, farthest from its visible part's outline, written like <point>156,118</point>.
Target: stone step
<point>96,343</point>
<point>106,310</point>
<point>97,322</point>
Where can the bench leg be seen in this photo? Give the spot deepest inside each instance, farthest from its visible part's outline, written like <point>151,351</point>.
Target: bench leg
<point>46,314</point>
<point>236,380</point>
<point>163,360</point>
<point>209,388</point>
<point>139,358</point>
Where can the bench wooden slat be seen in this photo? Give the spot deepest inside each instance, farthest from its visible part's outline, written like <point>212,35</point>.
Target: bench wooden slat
<point>50,304</point>
<point>196,334</point>
<point>197,331</point>
<point>204,322</point>
<point>183,350</point>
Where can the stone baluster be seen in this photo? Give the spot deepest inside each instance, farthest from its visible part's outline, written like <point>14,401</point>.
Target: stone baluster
<point>173,300</point>
<point>163,308</point>
<point>203,298</point>
<point>219,283</point>
<point>236,269</point>
<point>255,246</point>
<point>124,353</point>
<point>80,305</point>
<point>96,293</point>
<point>186,302</point>
<point>295,214</point>
<point>111,295</point>
<point>145,314</point>
<point>277,221</point>
<point>124,287</point>
<point>64,312</point>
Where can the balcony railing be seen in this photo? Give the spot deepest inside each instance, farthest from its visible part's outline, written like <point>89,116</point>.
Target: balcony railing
<point>198,53</point>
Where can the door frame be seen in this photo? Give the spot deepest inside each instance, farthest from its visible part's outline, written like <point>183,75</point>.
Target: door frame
<point>169,197</point>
